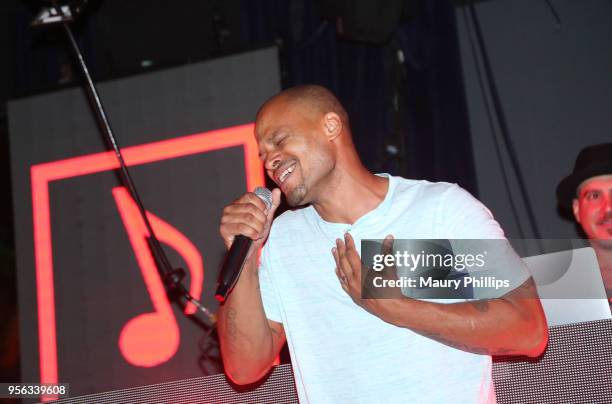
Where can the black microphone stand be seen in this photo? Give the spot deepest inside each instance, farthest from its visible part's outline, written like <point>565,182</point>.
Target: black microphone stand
<point>172,277</point>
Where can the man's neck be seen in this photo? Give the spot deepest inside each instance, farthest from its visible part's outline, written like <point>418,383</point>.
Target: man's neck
<point>348,195</point>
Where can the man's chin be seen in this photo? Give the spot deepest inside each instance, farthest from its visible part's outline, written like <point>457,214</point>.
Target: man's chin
<point>604,243</point>
<point>296,197</point>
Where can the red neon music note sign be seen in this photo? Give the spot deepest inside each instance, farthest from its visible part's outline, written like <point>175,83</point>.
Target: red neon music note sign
<point>153,338</point>
<point>42,175</point>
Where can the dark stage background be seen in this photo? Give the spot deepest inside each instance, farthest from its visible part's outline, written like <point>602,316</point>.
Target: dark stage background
<point>98,284</point>
<point>360,66</point>
<point>410,73</point>
<point>401,106</point>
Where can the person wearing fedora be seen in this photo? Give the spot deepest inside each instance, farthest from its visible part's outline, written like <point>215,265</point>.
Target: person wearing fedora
<point>587,191</point>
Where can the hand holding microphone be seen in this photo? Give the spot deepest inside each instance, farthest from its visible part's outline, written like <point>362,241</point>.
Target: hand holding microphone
<point>245,226</point>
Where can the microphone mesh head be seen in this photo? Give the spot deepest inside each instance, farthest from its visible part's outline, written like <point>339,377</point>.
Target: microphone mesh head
<point>265,195</point>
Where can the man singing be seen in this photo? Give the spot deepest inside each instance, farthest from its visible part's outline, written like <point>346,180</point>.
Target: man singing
<point>306,289</point>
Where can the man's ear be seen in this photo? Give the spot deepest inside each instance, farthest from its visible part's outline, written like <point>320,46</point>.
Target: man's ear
<point>332,125</point>
<point>576,209</point>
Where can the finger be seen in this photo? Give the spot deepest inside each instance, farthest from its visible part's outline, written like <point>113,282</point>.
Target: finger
<point>252,198</point>
<point>339,272</point>
<point>276,199</point>
<point>335,255</point>
<point>253,220</point>
<point>340,249</point>
<point>342,280</point>
<point>351,255</point>
<point>234,229</point>
<point>340,276</point>
<point>242,218</point>
<point>229,240</point>
<point>351,252</point>
<point>344,287</point>
<point>387,245</point>
<point>386,249</point>
<point>341,262</point>
<point>245,207</point>
<point>345,265</point>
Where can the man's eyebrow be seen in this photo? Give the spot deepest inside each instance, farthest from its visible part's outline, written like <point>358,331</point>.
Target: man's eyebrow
<point>276,133</point>
<point>585,190</point>
<point>269,138</point>
<point>265,139</point>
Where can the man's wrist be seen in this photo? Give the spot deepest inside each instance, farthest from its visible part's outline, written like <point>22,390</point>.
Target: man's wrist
<point>396,311</point>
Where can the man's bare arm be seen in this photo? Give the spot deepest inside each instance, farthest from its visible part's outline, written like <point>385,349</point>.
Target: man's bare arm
<point>249,341</point>
<point>511,325</point>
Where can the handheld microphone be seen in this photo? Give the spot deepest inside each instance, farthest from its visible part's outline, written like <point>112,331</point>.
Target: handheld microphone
<point>236,256</point>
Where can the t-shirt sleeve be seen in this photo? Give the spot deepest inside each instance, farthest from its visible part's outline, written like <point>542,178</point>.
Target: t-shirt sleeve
<point>463,217</point>
<point>267,286</point>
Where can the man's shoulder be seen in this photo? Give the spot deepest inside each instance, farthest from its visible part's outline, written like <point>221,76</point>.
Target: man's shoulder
<point>424,197</point>
<point>291,220</point>
<point>293,215</point>
<point>458,213</point>
<point>423,190</point>
<point>406,184</point>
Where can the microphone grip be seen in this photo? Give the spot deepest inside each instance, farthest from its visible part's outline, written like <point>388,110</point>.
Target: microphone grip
<point>232,266</point>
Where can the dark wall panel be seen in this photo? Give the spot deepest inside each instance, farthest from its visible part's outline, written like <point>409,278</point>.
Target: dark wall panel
<point>551,62</point>
<point>98,282</point>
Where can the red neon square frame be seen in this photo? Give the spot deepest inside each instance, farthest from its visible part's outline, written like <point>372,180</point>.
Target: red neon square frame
<point>43,174</point>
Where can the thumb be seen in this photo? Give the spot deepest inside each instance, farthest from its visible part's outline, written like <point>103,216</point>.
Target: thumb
<point>276,198</point>
<point>387,245</point>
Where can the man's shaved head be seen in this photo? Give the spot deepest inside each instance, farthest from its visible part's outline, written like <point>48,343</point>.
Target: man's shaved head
<point>316,98</point>
<point>302,134</point>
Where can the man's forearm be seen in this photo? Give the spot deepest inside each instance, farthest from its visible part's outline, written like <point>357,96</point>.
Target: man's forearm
<point>511,325</point>
<point>244,334</point>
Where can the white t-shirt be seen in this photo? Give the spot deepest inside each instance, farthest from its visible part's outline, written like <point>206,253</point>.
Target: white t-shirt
<point>343,354</point>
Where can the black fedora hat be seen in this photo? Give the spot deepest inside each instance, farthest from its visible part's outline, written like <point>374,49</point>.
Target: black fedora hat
<point>591,161</point>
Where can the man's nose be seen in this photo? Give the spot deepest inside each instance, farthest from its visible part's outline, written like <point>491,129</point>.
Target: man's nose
<point>273,162</point>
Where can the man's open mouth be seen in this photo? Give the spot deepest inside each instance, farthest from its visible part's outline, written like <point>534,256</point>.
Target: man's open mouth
<point>286,173</point>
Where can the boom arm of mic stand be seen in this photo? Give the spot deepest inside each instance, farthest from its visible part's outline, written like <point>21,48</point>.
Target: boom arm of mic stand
<point>161,259</point>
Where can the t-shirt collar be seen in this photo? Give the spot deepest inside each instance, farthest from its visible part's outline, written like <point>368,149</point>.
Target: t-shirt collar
<point>375,213</point>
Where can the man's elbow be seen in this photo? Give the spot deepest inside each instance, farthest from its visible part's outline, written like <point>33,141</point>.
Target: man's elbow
<point>241,378</point>
<point>537,338</point>
<point>244,376</point>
